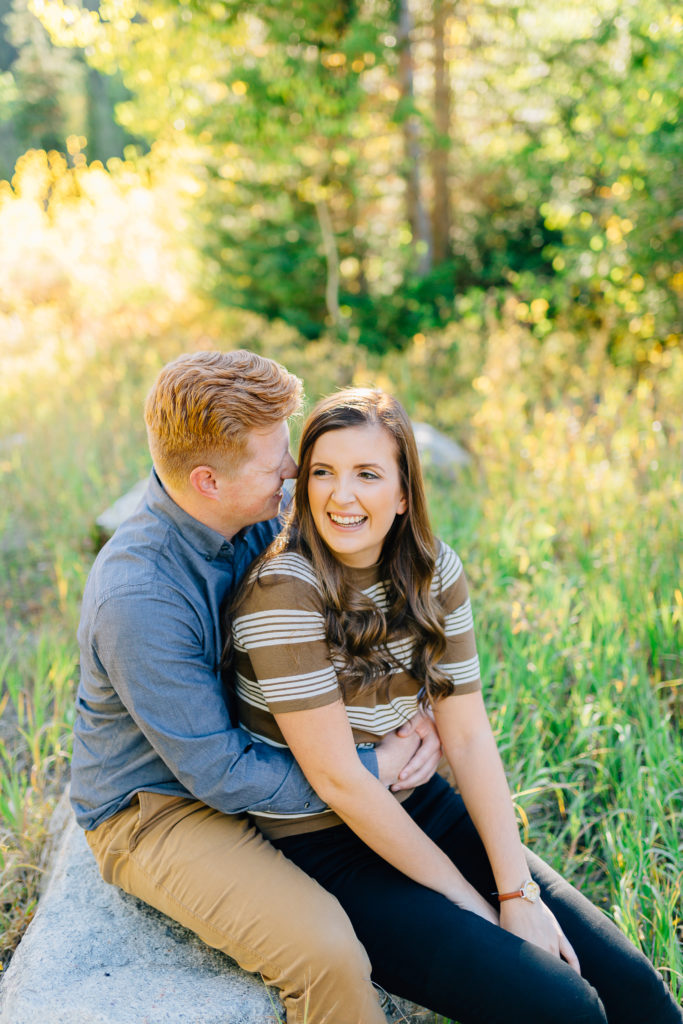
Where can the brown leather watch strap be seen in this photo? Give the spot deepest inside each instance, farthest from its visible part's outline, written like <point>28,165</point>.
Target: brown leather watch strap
<point>528,890</point>
<point>509,895</point>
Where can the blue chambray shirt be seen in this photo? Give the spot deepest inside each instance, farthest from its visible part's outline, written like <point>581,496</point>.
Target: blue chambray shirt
<point>151,710</point>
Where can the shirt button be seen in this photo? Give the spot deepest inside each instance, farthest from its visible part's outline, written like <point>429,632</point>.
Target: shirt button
<point>207,558</point>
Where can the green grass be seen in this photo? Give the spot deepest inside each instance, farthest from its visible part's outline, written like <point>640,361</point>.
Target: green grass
<point>579,610</point>
<point>578,627</point>
<point>568,523</point>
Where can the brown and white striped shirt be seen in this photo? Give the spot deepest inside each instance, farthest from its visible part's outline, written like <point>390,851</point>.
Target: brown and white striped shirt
<point>283,661</point>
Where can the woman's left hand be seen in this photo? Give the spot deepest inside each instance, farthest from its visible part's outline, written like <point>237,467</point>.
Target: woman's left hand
<point>534,922</point>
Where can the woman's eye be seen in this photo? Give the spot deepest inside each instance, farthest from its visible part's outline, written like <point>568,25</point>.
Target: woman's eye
<point>319,472</point>
<point>369,475</point>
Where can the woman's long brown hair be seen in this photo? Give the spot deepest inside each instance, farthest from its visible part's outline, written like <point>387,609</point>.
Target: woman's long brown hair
<point>358,631</point>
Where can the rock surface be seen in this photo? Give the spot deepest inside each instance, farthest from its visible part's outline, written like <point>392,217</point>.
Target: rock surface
<point>438,450</point>
<point>94,955</point>
<point>111,518</point>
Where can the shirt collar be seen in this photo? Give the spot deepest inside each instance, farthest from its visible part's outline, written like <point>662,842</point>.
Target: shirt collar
<point>202,538</point>
<point>365,577</point>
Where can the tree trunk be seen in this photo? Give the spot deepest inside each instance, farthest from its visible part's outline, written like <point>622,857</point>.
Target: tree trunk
<point>441,209</point>
<point>332,261</point>
<point>415,206</point>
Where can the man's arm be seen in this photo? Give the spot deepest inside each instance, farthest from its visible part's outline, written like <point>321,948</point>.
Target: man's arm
<point>152,650</point>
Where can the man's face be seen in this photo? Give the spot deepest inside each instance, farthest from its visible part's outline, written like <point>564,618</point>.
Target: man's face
<point>253,492</point>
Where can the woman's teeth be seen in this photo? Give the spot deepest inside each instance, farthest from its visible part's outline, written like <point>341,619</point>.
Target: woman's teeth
<point>346,520</point>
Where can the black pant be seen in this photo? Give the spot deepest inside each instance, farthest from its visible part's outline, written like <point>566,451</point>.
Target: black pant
<point>426,949</point>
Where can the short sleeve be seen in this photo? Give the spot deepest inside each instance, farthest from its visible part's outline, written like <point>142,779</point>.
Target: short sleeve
<point>460,661</point>
<point>282,659</point>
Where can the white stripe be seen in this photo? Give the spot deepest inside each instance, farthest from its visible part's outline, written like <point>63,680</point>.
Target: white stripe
<point>264,739</point>
<point>290,817</point>
<point>448,569</point>
<point>250,692</point>
<point>377,593</point>
<point>463,671</point>
<point>266,629</point>
<point>290,564</point>
<point>279,615</point>
<point>404,657</point>
<point>459,620</point>
<point>304,679</point>
<point>408,700</point>
<point>284,688</point>
<point>261,694</point>
<point>385,717</point>
<point>402,650</point>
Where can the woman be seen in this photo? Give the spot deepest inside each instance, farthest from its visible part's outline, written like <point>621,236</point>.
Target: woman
<point>354,617</point>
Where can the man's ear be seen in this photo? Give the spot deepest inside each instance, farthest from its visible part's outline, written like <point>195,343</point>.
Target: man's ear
<point>203,481</point>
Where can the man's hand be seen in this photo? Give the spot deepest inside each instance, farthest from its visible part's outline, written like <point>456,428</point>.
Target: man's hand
<point>409,756</point>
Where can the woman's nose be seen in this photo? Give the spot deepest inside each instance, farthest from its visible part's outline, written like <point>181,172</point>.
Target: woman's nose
<point>342,492</point>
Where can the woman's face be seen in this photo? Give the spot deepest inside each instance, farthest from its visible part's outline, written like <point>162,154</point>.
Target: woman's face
<point>354,491</point>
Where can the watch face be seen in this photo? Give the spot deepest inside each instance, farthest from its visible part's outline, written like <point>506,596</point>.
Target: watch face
<point>530,891</point>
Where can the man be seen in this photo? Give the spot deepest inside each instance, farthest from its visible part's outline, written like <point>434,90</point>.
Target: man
<point>161,777</point>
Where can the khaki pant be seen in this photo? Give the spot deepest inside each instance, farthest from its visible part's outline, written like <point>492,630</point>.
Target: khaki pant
<point>217,875</point>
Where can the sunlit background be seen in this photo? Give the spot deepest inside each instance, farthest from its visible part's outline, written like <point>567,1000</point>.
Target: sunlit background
<point>477,205</point>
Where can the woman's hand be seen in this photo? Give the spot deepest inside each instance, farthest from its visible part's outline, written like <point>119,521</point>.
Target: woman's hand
<point>534,922</point>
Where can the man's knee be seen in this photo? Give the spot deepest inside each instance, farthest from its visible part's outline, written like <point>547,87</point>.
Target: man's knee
<point>337,951</point>
<point>339,986</point>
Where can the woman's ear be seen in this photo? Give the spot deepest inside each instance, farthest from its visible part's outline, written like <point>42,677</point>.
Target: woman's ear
<point>402,505</point>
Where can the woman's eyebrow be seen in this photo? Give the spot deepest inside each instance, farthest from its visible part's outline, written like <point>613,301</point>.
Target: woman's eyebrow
<point>358,465</point>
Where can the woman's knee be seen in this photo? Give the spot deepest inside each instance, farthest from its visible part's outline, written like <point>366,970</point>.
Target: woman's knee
<point>643,996</point>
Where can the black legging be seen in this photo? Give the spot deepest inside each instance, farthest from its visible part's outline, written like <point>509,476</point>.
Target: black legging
<point>426,949</point>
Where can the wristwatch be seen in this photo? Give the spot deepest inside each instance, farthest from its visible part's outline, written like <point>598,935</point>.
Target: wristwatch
<point>529,891</point>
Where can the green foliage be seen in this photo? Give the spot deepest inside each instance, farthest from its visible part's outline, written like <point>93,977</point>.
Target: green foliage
<point>277,273</point>
<point>35,88</point>
<point>564,156</point>
<point>613,158</point>
<point>548,341</point>
<point>48,95</point>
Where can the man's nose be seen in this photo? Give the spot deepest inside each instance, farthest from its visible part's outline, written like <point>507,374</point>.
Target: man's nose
<point>290,468</point>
